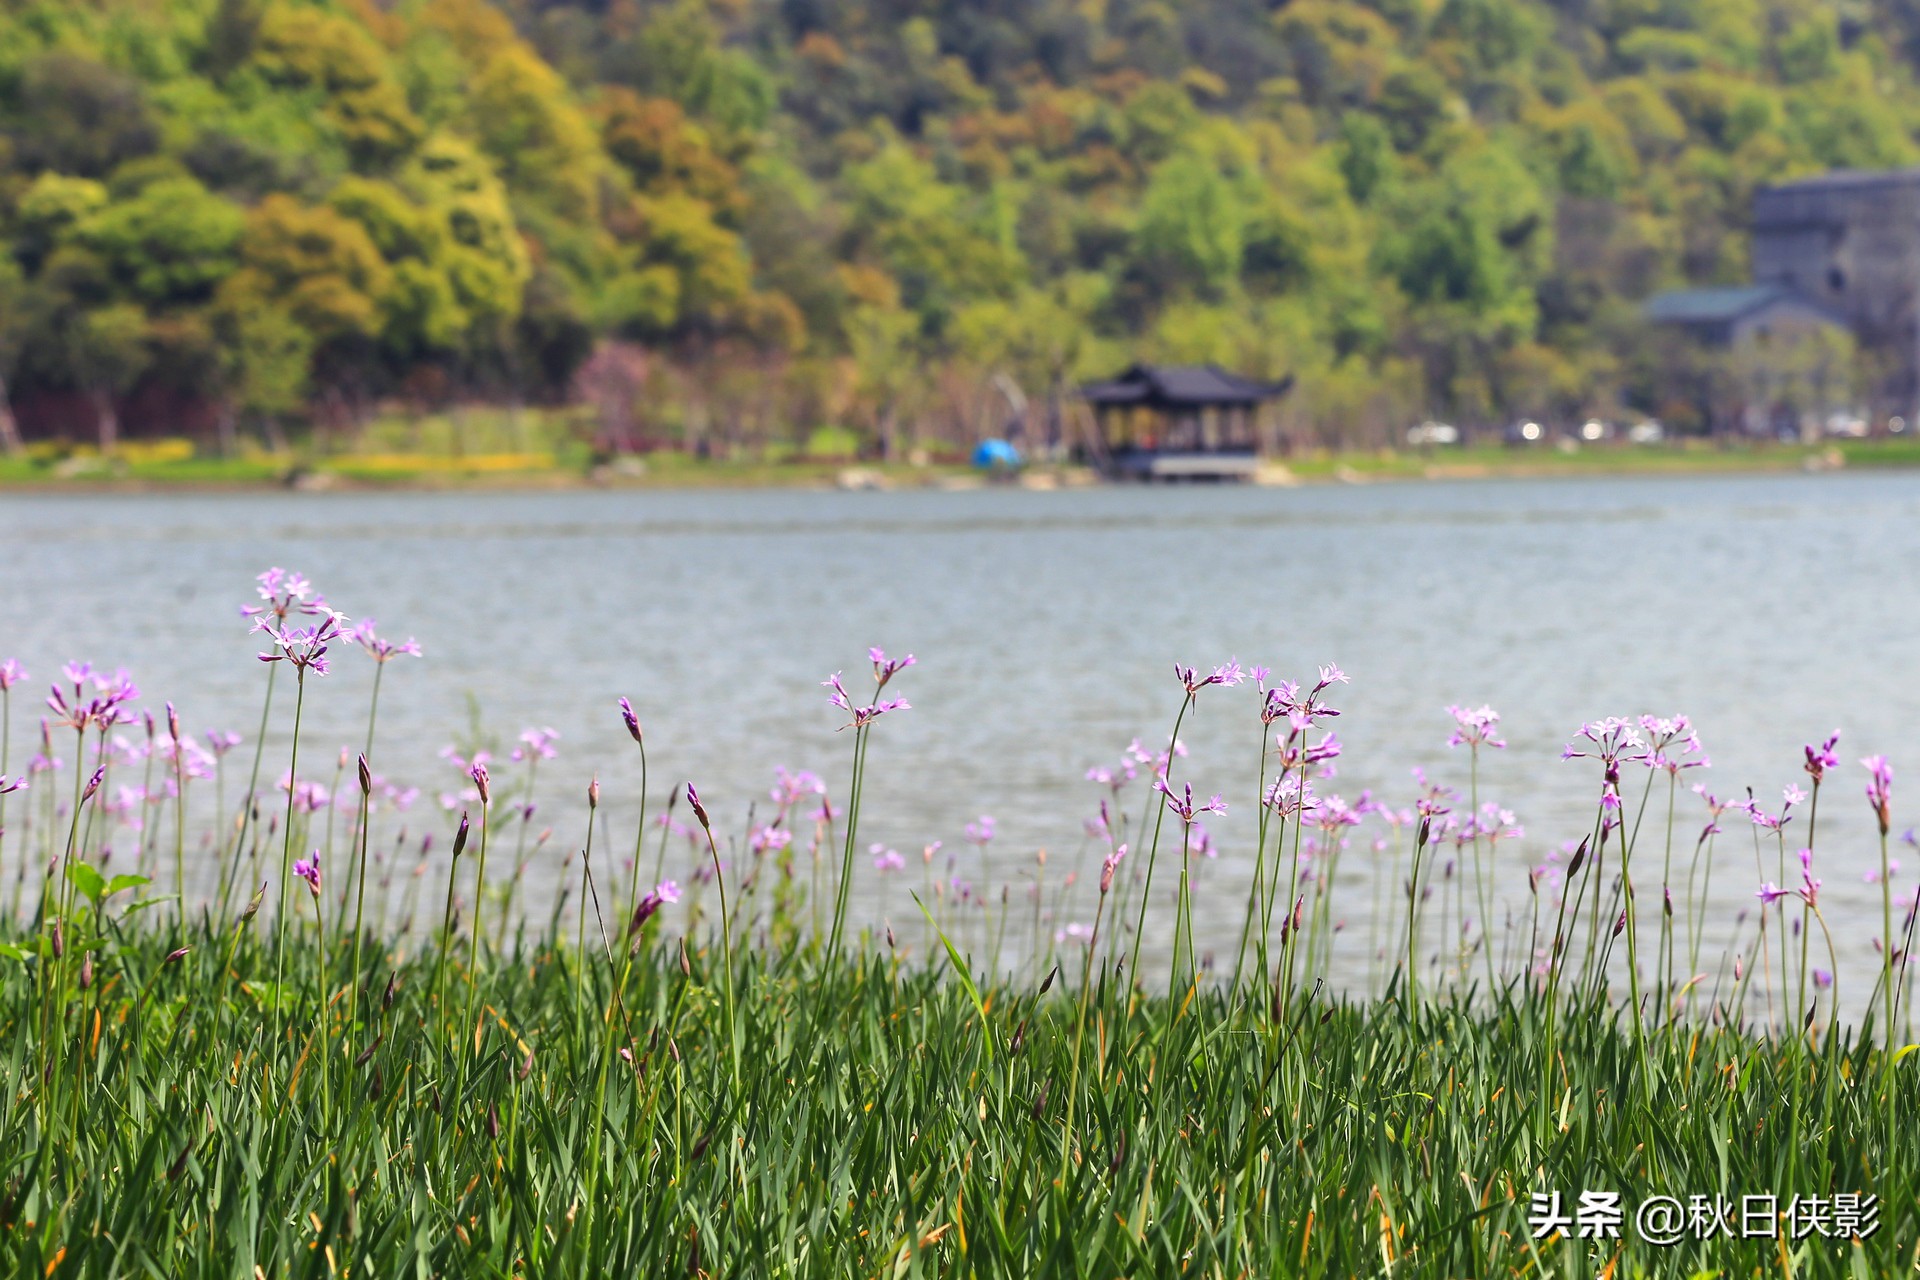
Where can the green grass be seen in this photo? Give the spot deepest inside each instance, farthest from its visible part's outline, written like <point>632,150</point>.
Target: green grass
<point>885,1124</point>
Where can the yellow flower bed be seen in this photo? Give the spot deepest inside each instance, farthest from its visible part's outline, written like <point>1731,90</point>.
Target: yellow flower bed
<point>414,463</point>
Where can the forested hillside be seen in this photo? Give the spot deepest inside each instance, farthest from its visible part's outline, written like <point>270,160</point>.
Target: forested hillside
<point>734,221</point>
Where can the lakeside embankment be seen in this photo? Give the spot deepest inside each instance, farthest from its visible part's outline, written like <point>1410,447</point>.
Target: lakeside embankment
<point>173,465</point>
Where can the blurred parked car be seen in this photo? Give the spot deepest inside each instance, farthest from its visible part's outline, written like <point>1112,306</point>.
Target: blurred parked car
<point>1848,426</point>
<point>1646,432</point>
<point>1432,433</point>
<point>1593,429</point>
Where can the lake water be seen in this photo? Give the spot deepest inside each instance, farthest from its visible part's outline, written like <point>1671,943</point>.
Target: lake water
<point>1771,610</point>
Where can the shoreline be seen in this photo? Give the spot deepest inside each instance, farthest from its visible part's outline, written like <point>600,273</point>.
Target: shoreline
<point>436,475</point>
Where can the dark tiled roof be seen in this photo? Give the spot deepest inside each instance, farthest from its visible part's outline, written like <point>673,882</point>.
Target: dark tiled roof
<point>1182,385</point>
<point>1720,306</point>
<point>1845,179</point>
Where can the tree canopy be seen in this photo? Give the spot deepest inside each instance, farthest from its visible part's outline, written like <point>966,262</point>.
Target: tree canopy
<point>870,212</point>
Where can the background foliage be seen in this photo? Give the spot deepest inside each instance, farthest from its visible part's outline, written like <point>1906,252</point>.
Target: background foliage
<point>764,216</point>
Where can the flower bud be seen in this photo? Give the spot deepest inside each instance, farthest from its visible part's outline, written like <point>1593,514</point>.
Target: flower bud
<point>174,957</point>
<point>699,810</point>
<point>173,722</point>
<point>593,793</point>
<point>253,903</point>
<point>479,775</point>
<point>460,837</point>
<point>633,721</point>
<point>86,971</point>
<point>59,941</point>
<point>93,783</point>
<point>366,777</point>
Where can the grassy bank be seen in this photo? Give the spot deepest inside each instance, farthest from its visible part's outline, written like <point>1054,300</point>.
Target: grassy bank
<point>869,1119</point>
<point>170,465</point>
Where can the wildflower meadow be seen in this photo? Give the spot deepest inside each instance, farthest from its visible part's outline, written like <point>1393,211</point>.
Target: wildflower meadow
<point>268,1011</point>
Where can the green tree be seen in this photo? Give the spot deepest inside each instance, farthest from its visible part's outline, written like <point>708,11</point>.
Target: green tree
<point>105,350</point>
<point>172,241</point>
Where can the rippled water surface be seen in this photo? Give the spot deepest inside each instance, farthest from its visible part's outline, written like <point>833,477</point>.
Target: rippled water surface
<point>1771,610</point>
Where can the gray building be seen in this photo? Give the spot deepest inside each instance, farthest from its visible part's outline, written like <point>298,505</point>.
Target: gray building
<point>1850,242</point>
<point>1728,317</point>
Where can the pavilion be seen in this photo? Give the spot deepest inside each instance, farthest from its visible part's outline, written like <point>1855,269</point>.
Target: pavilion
<point>1178,422</point>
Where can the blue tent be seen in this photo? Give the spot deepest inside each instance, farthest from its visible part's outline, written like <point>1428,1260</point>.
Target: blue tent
<point>992,455</point>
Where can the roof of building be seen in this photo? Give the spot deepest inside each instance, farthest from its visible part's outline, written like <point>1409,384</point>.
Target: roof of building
<point>1182,386</point>
<point>1724,305</point>
<point>1845,179</point>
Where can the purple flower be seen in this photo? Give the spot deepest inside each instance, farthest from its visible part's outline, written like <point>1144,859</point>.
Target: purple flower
<point>1333,814</point>
<point>308,869</point>
<point>1821,758</point>
<point>104,709</point>
<point>382,651</point>
<point>1770,893</point>
<point>1761,818</point>
<point>1822,979</point>
<point>11,674</point>
<point>699,810</point>
<point>304,647</point>
<point>8,787</point>
<point>633,721</point>
<point>1809,886</point>
<point>655,898</point>
<point>884,669</point>
<point>307,797</point>
<point>1474,726</point>
<point>981,832</point>
<point>791,788</point>
<point>1289,796</point>
<point>1108,865</point>
<point>769,838</point>
<point>1610,740</point>
<point>862,716</point>
<point>1228,673</point>
<point>1184,807</point>
<point>284,592</point>
<point>885,859</point>
<point>1284,700</point>
<point>1670,744</point>
<point>538,744</point>
<point>481,780</point>
<point>1498,824</point>
<point>1880,789</point>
